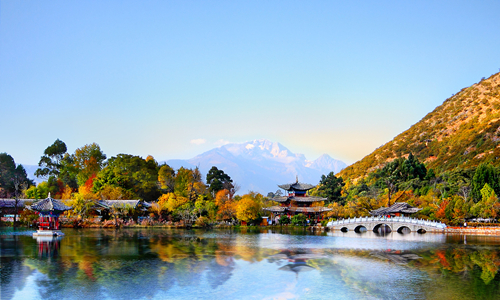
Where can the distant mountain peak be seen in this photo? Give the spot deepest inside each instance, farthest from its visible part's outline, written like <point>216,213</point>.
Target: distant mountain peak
<point>260,165</point>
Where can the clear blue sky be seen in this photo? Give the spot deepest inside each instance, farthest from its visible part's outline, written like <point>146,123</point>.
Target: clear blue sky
<point>176,78</point>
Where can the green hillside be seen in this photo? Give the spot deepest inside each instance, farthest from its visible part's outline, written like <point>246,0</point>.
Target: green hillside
<point>462,132</point>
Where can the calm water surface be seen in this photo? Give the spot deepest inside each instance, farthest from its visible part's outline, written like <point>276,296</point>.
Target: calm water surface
<point>246,264</point>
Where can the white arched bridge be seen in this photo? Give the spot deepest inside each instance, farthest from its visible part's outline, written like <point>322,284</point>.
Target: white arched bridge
<point>394,223</point>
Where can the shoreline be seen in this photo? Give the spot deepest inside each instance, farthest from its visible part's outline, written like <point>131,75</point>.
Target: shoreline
<point>480,231</point>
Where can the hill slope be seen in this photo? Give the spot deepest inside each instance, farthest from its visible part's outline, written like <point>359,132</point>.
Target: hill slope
<point>462,132</point>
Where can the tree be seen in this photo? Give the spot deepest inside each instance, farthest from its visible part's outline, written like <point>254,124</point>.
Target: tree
<point>131,173</point>
<point>218,180</point>
<point>88,160</point>
<point>484,174</point>
<point>226,205</point>
<point>51,162</point>
<point>299,220</point>
<point>400,173</point>
<point>166,178</point>
<point>248,208</point>
<point>13,179</point>
<point>331,187</point>
<point>488,207</point>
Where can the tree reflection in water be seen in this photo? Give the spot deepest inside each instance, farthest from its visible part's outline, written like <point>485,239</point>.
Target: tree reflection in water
<point>136,264</point>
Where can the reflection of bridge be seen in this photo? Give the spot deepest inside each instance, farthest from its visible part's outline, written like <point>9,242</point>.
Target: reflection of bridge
<point>395,224</point>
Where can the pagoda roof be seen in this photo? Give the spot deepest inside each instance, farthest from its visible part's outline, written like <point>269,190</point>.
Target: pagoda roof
<point>307,199</point>
<point>398,207</point>
<point>298,199</point>
<point>278,209</point>
<point>297,186</point>
<point>313,209</point>
<point>49,204</point>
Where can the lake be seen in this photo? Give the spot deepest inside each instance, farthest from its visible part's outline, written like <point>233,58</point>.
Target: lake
<point>247,264</point>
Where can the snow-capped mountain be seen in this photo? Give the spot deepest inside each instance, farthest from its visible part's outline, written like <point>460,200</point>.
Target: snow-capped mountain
<point>261,165</point>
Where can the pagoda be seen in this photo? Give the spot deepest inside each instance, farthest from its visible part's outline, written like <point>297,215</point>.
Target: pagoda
<point>297,201</point>
<point>49,210</point>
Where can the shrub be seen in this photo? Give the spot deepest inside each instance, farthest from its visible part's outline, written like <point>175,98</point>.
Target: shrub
<point>299,220</point>
<point>284,220</point>
<point>28,217</point>
<point>203,222</point>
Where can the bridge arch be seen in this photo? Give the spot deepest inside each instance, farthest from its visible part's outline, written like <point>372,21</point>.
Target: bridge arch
<point>404,229</point>
<point>387,228</point>
<point>421,230</point>
<point>344,229</point>
<point>360,228</point>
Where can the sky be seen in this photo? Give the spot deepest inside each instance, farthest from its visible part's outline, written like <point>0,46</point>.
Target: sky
<point>174,79</point>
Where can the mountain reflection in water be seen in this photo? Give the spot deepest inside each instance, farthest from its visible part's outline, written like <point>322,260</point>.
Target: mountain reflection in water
<point>182,264</point>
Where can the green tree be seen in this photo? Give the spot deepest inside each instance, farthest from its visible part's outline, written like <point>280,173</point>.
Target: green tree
<point>399,174</point>
<point>12,175</point>
<point>132,173</point>
<point>51,162</point>
<point>488,207</point>
<point>331,188</point>
<point>218,180</point>
<point>299,220</point>
<point>484,174</point>
<point>166,177</point>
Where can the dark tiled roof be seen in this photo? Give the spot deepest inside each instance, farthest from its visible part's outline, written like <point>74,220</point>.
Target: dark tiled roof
<point>398,207</point>
<point>297,186</point>
<point>280,199</point>
<point>49,204</point>
<point>275,209</point>
<point>307,199</point>
<point>118,203</point>
<point>11,203</point>
<point>298,199</point>
<point>313,209</point>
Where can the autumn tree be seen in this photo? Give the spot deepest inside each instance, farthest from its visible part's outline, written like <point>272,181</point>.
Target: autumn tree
<point>248,208</point>
<point>88,160</point>
<point>226,206</point>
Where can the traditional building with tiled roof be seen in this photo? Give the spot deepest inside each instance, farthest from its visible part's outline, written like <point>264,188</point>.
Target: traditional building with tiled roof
<point>397,209</point>
<point>297,201</point>
<point>49,210</point>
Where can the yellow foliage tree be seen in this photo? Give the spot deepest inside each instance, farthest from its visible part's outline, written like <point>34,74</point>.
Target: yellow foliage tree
<point>171,201</point>
<point>247,209</point>
<point>110,192</point>
<point>226,205</point>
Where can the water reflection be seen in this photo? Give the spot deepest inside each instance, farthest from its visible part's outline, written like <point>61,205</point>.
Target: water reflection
<point>135,264</point>
<point>296,259</point>
<point>48,246</point>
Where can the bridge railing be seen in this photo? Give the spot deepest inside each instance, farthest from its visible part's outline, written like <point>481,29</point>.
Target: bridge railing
<point>384,219</point>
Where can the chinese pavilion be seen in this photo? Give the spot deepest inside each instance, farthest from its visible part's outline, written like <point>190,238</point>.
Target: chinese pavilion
<point>297,201</point>
<point>49,210</point>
